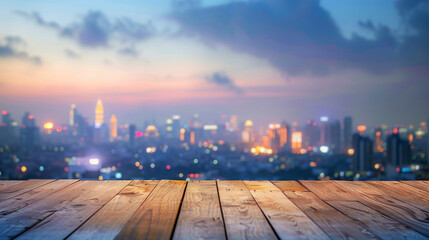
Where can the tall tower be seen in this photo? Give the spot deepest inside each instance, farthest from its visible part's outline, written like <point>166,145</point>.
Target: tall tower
<point>113,128</point>
<point>99,114</point>
<point>72,115</point>
<point>347,139</point>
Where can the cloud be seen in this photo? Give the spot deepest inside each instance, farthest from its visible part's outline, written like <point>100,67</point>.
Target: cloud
<point>222,79</point>
<point>71,54</point>
<point>9,48</point>
<point>300,37</point>
<point>128,51</point>
<point>96,30</point>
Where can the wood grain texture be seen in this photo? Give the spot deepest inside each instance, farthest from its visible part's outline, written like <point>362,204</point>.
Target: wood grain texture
<point>286,218</point>
<point>60,213</point>
<point>381,225</point>
<point>20,188</point>
<point>403,192</point>
<point>200,216</point>
<point>334,223</point>
<point>243,217</point>
<point>14,204</point>
<point>110,219</point>
<point>423,185</point>
<point>406,214</point>
<point>156,217</point>
<point>8,183</point>
<point>65,220</point>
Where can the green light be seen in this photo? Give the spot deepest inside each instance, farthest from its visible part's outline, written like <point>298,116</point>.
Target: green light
<point>215,162</point>
<point>195,161</point>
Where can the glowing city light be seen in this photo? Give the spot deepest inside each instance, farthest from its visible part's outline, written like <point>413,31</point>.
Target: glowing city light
<point>350,151</point>
<point>324,149</point>
<point>23,169</point>
<point>48,125</point>
<point>361,128</point>
<point>324,118</point>
<point>4,112</point>
<point>94,161</point>
<point>118,175</point>
<point>168,167</point>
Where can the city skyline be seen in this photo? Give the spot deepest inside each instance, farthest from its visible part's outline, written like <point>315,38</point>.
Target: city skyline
<point>365,59</point>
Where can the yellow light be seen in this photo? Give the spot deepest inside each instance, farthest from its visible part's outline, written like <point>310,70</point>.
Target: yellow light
<point>350,151</point>
<point>48,125</point>
<point>23,169</point>
<point>137,164</point>
<point>100,178</point>
<point>377,166</point>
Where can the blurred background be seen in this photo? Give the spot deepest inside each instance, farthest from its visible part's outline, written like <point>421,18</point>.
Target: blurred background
<point>228,89</point>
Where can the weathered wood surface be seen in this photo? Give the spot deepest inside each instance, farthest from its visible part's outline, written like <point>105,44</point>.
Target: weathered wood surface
<point>168,209</point>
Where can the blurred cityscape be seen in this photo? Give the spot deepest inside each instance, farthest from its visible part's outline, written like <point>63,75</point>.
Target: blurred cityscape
<point>227,148</point>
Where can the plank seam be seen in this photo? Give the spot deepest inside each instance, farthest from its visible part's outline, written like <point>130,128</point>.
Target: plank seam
<point>263,213</point>
<point>221,211</point>
<point>86,220</point>
<point>178,212</point>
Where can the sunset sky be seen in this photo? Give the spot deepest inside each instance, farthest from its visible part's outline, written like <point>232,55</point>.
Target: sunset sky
<point>268,61</point>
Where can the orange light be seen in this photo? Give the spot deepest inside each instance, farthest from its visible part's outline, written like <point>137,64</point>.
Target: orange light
<point>313,164</point>
<point>137,164</point>
<point>350,151</point>
<point>361,128</point>
<point>23,169</point>
<point>48,125</point>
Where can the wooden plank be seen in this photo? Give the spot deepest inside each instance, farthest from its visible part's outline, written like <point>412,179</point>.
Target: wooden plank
<point>333,222</point>
<point>403,192</point>
<point>20,188</point>
<point>243,218</point>
<point>286,218</point>
<point>60,213</point>
<point>406,214</point>
<point>110,219</point>
<point>8,183</point>
<point>156,217</point>
<point>423,185</point>
<point>200,216</point>
<point>14,204</point>
<point>381,225</point>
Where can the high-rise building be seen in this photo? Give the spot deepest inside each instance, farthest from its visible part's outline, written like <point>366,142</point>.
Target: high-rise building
<point>283,133</point>
<point>378,138</point>
<point>347,134</point>
<point>362,156</point>
<point>248,135</point>
<point>233,122</point>
<point>6,120</point>
<point>334,135</point>
<point>113,128</point>
<point>296,142</point>
<point>72,115</point>
<point>99,114</point>
<point>398,152</point>
<point>132,134</point>
<point>29,133</point>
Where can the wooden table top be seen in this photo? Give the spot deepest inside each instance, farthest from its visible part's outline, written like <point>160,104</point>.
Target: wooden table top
<point>169,209</point>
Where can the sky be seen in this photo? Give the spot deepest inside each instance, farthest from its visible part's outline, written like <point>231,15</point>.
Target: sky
<point>269,61</point>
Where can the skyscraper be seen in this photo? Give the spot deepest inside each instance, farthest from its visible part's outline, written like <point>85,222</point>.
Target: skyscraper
<point>99,114</point>
<point>113,128</point>
<point>378,138</point>
<point>72,115</point>
<point>362,157</point>
<point>398,152</point>
<point>347,132</point>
